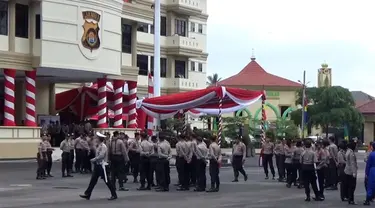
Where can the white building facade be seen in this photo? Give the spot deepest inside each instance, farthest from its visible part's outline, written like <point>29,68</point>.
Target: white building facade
<point>50,46</point>
<point>183,44</point>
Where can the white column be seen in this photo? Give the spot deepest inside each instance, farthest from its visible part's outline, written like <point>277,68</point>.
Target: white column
<point>134,44</point>
<point>12,25</point>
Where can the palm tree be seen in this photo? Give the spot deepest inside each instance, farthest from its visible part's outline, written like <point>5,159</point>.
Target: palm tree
<point>213,80</point>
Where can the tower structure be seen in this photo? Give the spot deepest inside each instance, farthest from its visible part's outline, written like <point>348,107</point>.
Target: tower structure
<point>324,76</point>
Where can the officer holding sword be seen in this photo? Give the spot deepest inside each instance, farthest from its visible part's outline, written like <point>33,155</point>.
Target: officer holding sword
<point>100,169</point>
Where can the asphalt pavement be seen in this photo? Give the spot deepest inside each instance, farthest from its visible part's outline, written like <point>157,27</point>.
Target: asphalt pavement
<point>19,189</point>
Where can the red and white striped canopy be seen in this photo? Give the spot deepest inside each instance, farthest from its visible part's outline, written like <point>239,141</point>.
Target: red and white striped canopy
<point>198,102</point>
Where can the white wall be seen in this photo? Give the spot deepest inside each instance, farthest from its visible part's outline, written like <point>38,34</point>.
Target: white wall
<point>62,30</point>
<point>4,43</point>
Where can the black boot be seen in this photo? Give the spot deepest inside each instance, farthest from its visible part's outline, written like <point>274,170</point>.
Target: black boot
<point>85,196</point>
<point>212,189</point>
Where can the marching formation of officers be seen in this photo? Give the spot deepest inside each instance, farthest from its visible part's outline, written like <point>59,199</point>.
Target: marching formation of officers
<point>141,156</point>
<point>322,165</point>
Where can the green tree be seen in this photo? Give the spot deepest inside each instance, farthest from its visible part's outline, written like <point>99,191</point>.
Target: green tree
<point>330,107</point>
<point>173,124</point>
<point>286,129</point>
<point>212,80</point>
<point>232,126</point>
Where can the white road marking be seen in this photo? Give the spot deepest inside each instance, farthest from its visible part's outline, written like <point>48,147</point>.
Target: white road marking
<point>20,185</point>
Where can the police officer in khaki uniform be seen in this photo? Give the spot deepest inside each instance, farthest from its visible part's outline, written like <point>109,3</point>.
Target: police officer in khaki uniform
<point>180,159</point>
<point>193,164</point>
<point>322,164</point>
<point>351,170</point>
<point>134,155</point>
<point>86,164</point>
<point>215,162</point>
<point>288,152</point>
<point>164,153</point>
<point>125,139</point>
<point>50,150</point>
<point>341,168</point>
<point>186,155</point>
<point>42,158</point>
<point>100,170</point>
<point>71,155</point>
<point>332,179</point>
<point>154,161</point>
<point>118,156</point>
<point>308,159</point>
<point>268,148</point>
<point>202,154</point>
<point>280,159</point>
<point>65,157</point>
<point>79,149</point>
<point>146,149</point>
<point>297,151</point>
<point>238,159</point>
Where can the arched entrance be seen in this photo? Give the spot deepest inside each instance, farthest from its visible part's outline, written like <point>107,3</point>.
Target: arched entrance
<point>248,117</point>
<point>274,109</point>
<point>286,113</point>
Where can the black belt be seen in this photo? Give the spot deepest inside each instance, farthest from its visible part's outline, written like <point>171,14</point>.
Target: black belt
<point>238,155</point>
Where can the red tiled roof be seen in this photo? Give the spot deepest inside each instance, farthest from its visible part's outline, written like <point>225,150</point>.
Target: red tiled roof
<point>361,102</point>
<point>368,107</point>
<point>254,75</point>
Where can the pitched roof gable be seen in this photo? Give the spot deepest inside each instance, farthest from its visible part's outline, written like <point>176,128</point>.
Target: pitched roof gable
<point>254,75</point>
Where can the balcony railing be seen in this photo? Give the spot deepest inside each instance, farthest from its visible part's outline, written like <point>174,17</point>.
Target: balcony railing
<point>188,7</point>
<point>183,42</point>
<point>182,83</point>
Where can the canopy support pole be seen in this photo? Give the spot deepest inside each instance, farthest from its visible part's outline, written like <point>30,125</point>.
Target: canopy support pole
<point>219,133</point>
<point>263,136</point>
<point>184,125</point>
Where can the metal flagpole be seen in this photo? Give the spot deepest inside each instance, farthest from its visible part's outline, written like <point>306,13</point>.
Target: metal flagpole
<point>157,53</point>
<point>303,105</point>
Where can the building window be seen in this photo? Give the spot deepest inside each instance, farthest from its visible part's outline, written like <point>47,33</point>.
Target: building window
<point>192,26</point>
<point>163,26</point>
<point>180,27</point>
<point>142,63</point>
<point>126,46</point>
<point>200,28</point>
<point>37,26</point>
<point>163,67</point>
<point>192,66</point>
<point>180,69</point>
<point>3,18</point>
<point>22,21</point>
<point>142,27</point>
<point>200,67</point>
<point>283,108</point>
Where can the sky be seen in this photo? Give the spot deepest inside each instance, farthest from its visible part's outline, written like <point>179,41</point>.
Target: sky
<point>290,36</point>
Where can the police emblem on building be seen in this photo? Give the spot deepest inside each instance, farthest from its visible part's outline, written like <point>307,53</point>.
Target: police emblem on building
<point>90,38</point>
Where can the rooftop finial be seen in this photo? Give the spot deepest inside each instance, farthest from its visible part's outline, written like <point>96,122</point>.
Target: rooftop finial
<point>324,65</point>
<point>253,55</point>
